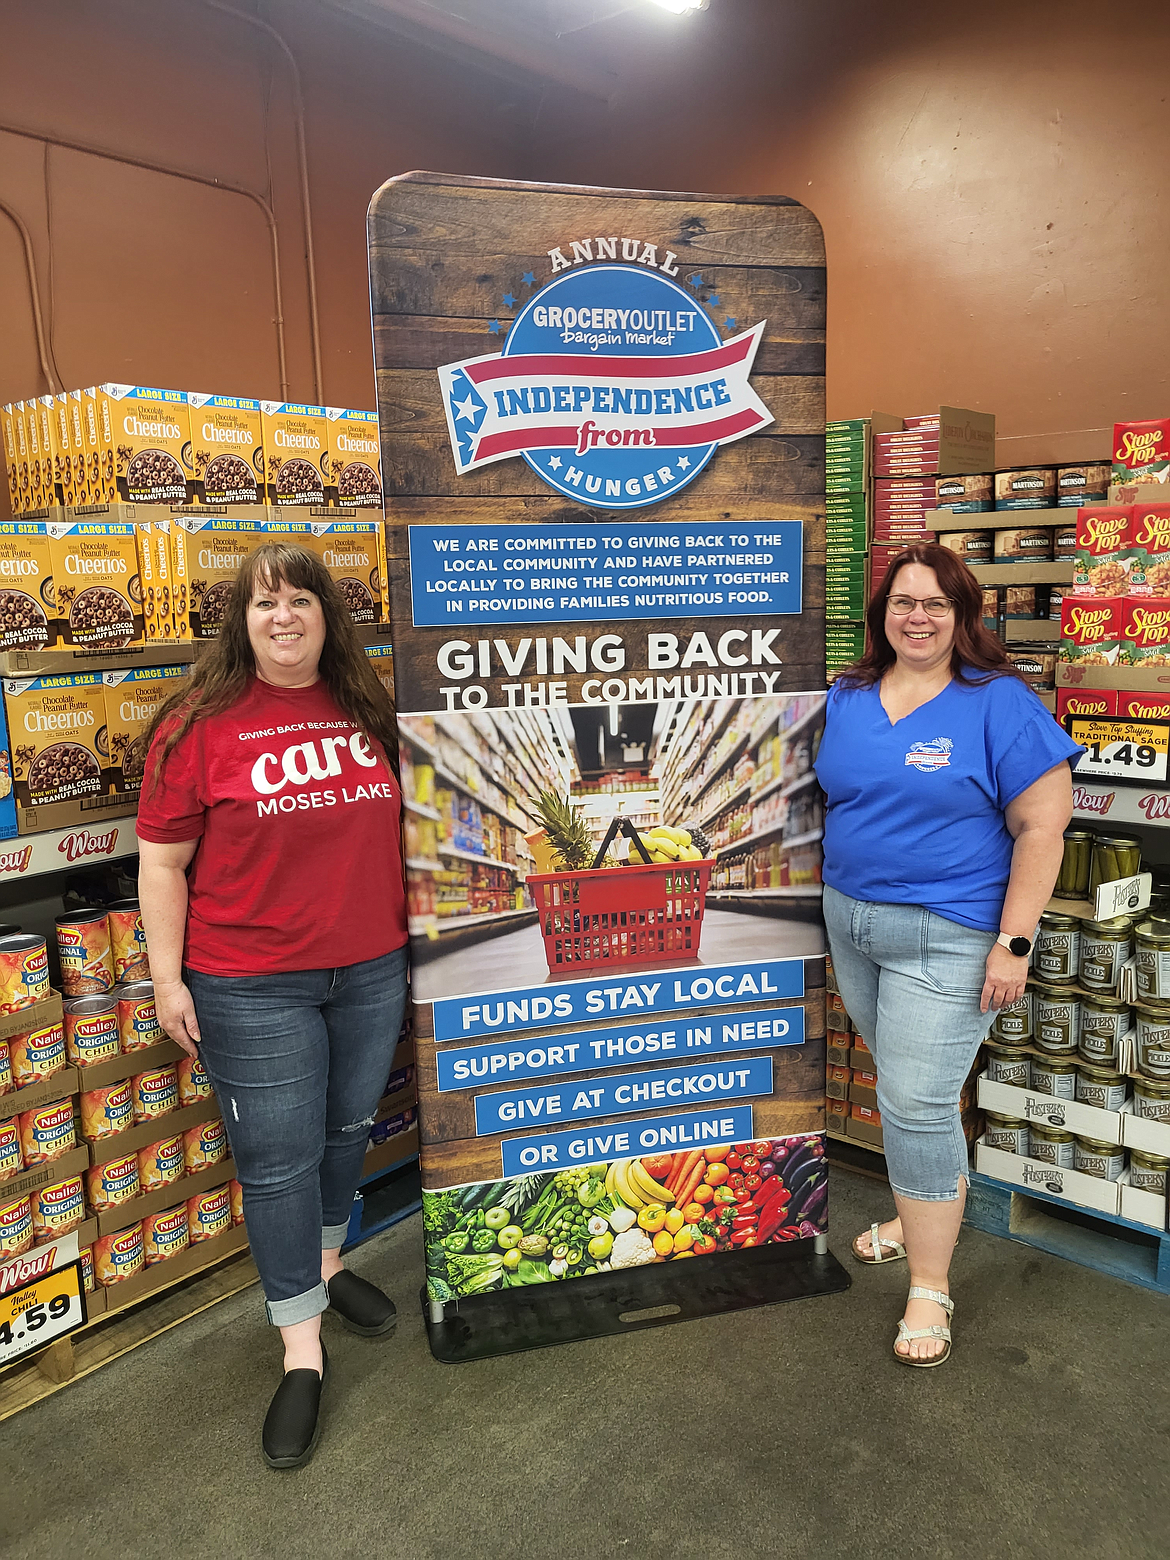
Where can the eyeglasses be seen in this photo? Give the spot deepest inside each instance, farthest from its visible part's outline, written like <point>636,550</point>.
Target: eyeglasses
<point>933,606</point>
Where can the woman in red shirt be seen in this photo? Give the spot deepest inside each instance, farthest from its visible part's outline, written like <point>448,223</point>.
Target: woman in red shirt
<point>274,905</point>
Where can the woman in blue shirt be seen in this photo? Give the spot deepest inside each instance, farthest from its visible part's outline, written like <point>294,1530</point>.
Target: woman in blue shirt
<point>948,790</point>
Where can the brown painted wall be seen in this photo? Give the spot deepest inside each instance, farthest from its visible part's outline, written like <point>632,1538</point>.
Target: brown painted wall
<point>150,279</point>
<point>991,181</point>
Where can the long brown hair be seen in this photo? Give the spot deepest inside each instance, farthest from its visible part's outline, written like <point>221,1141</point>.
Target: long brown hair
<point>975,649</point>
<point>221,677</point>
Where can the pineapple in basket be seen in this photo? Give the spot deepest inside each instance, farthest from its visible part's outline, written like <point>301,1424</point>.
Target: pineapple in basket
<point>564,841</point>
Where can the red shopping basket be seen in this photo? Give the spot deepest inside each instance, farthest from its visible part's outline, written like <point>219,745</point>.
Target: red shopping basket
<point>600,918</point>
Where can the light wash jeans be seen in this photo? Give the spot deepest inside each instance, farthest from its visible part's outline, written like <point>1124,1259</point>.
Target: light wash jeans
<point>299,1063</point>
<point>911,981</point>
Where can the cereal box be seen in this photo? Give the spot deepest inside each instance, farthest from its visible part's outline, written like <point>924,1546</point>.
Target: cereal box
<point>75,416</point>
<point>296,447</point>
<point>227,449</point>
<point>352,552</point>
<point>97,586</point>
<point>381,658</point>
<point>27,603</point>
<point>63,484</point>
<point>1141,451</point>
<point>45,411</point>
<point>132,697</point>
<point>32,434</point>
<point>22,466</point>
<point>1146,631</point>
<point>11,465</point>
<point>1091,632</point>
<point>208,552</point>
<point>152,435</point>
<point>156,616</point>
<point>167,565</point>
<point>355,468</point>
<point>1104,550</point>
<point>57,723</point>
<point>97,430</point>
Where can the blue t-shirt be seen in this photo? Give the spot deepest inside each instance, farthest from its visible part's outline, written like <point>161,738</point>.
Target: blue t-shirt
<point>914,812</point>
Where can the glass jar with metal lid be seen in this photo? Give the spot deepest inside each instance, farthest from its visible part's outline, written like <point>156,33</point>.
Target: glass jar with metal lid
<point>1148,1172</point>
<point>1054,1075</point>
<point>1105,946</point>
<point>1076,865</point>
<point>1103,1022</point>
<point>1056,1019</point>
<point>1152,959</point>
<point>1115,856</point>
<point>1101,1087</point>
<point>1151,1099</point>
<point>1050,1145</point>
<point>1093,1156</point>
<point>1007,1133</point>
<point>1013,1023</point>
<point>1008,1064</point>
<point>1058,948</point>
<point>1152,1021</point>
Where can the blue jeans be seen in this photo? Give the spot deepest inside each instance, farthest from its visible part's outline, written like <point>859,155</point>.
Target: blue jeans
<point>299,1062</point>
<point>911,981</point>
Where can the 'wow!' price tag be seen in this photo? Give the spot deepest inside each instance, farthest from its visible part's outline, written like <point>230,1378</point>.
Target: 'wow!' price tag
<point>43,1310</point>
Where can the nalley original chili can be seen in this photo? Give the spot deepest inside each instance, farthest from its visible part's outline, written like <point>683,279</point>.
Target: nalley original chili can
<point>128,942</point>
<point>165,1234</point>
<point>57,1209</point>
<point>36,1055</point>
<point>91,1030</point>
<point>107,1111</point>
<point>209,1213</point>
<point>138,1025</point>
<point>161,1164</point>
<point>113,1183</point>
<point>194,1084</point>
<point>24,972</point>
<point>156,1093</point>
<point>204,1146</point>
<point>11,1155</point>
<point>118,1257</point>
<point>6,1083</point>
<point>83,942</point>
<point>47,1132</point>
<point>16,1227</point>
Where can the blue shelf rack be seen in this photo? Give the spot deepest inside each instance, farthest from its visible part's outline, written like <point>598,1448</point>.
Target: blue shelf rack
<point>1135,1253</point>
<point>384,1199</point>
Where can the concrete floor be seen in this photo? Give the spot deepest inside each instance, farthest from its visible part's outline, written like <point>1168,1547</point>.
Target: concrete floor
<point>785,1431</point>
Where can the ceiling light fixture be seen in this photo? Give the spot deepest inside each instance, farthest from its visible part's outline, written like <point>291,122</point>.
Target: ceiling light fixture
<point>679,7</point>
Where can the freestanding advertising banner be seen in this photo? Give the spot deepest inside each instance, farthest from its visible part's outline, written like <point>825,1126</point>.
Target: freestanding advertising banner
<point>602,419</point>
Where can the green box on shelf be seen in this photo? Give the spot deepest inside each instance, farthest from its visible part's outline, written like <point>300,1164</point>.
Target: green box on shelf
<point>840,506</point>
<point>844,482</point>
<point>848,424</point>
<point>846,539</point>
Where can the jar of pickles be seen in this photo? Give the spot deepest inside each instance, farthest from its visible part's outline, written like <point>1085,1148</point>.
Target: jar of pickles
<point>1152,959</point>
<point>1058,948</point>
<point>1152,1021</point>
<point>1054,1075</point>
<point>1103,1022</point>
<point>1076,865</point>
<point>1115,856</point>
<point>1050,1145</point>
<point>1008,1064</point>
<point>1151,1099</point>
<point>1105,947</point>
<point>1013,1023</point>
<point>1007,1133</point>
<point>1092,1156</point>
<point>1101,1087</point>
<point>1056,1019</point>
<point>1148,1171</point>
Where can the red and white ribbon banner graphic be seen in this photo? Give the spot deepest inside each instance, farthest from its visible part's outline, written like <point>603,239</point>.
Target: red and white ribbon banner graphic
<point>500,406</point>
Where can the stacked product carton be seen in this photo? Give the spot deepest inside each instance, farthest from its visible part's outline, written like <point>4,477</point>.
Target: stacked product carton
<point>846,540</point>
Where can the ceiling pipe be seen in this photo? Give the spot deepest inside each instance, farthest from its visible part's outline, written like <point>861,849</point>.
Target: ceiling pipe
<point>303,168</point>
<point>195,178</point>
<point>34,293</point>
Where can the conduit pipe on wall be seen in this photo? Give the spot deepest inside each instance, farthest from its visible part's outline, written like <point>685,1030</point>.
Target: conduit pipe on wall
<point>174,173</point>
<point>35,295</point>
<point>303,165</point>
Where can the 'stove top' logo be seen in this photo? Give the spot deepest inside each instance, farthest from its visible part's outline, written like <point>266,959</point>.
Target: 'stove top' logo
<point>614,385</point>
<point>1090,624</point>
<point>1148,626</point>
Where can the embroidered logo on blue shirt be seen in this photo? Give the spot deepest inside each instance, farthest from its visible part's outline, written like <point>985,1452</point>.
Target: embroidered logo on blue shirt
<point>931,755</point>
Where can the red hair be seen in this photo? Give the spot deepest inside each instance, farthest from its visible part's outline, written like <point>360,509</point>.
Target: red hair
<point>974,649</point>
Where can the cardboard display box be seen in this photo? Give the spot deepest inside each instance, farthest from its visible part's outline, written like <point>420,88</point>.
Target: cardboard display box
<point>1029,1175</point>
<point>58,1086</point>
<point>127,1213</point>
<point>163,1274</point>
<point>404,1145</point>
<point>38,1015</point>
<point>75,1162</point>
<point>1150,1137</point>
<point>122,1066</point>
<point>134,1138</point>
<point>1080,1120</point>
<point>1142,1207</point>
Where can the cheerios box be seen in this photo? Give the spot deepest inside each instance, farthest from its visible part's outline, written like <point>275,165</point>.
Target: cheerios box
<point>96,584</point>
<point>227,449</point>
<point>11,463</point>
<point>355,466</point>
<point>296,448</point>
<point>352,551</point>
<point>207,551</point>
<point>132,697</point>
<point>151,431</point>
<point>27,602</point>
<point>97,437</point>
<point>7,795</point>
<point>58,735</point>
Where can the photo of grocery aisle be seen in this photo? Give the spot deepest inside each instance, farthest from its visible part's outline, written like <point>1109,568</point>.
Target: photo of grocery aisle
<point>561,842</point>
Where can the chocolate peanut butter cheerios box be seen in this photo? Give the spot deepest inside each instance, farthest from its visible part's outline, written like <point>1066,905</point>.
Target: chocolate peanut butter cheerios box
<point>227,449</point>
<point>96,584</point>
<point>296,448</point>
<point>132,697</point>
<point>151,431</point>
<point>355,468</point>
<point>58,735</point>
<point>353,553</point>
<point>207,550</point>
<point>27,602</point>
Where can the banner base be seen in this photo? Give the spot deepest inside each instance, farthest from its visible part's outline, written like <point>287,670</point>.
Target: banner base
<point>510,1321</point>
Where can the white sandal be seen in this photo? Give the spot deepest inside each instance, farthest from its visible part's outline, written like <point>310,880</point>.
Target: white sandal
<point>876,1242</point>
<point>905,1334</point>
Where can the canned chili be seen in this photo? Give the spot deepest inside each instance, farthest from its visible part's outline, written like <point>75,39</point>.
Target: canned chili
<point>83,943</point>
<point>128,942</point>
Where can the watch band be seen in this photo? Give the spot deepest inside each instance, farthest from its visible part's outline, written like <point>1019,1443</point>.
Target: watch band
<point>1020,946</point>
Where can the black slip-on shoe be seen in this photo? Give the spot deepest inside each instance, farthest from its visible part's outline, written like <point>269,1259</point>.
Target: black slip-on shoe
<point>292,1423</point>
<point>360,1305</point>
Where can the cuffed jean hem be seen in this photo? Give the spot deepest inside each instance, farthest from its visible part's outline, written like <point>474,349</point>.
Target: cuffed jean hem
<point>301,1308</point>
<point>333,1236</point>
<point>903,1191</point>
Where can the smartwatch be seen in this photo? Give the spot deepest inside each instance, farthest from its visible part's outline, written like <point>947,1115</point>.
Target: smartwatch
<point>1020,946</point>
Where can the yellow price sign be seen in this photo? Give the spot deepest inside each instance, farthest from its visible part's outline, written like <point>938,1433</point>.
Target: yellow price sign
<point>47,1309</point>
<point>1126,750</point>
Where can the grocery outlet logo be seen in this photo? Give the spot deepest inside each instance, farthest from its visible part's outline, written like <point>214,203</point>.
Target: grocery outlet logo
<point>614,386</point>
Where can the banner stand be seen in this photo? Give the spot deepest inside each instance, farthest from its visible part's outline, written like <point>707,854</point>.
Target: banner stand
<point>602,419</point>
<point>483,1326</point>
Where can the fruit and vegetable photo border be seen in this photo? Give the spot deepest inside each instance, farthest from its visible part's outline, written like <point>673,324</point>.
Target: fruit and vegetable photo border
<point>602,424</point>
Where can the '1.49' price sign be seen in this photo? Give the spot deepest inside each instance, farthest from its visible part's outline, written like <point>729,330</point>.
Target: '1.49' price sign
<point>1121,751</point>
<point>48,1308</point>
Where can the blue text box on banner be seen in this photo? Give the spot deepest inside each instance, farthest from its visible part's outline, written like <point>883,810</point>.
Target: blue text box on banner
<point>732,1124</point>
<point>618,1096</point>
<point>469,1067</point>
<point>535,1007</point>
<point>616,572</point>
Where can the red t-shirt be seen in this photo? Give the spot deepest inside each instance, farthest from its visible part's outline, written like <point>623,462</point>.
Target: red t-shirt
<point>299,864</point>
